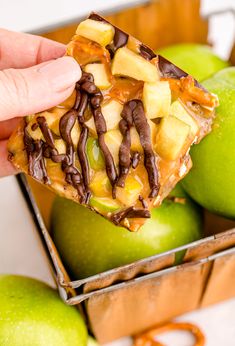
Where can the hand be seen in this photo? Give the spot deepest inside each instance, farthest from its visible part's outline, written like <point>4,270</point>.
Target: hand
<point>30,81</point>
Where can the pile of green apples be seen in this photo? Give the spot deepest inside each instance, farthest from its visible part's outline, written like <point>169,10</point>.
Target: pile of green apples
<point>89,244</point>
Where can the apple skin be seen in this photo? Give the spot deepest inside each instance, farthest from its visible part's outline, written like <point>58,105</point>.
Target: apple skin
<point>32,314</point>
<point>92,342</point>
<point>211,181</point>
<point>196,59</point>
<point>89,244</point>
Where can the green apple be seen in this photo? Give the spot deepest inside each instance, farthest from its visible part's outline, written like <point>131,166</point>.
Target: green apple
<point>32,314</point>
<point>92,342</point>
<point>89,244</point>
<point>211,181</point>
<point>196,59</point>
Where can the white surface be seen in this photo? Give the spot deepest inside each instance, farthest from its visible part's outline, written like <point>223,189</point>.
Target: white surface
<point>21,250</point>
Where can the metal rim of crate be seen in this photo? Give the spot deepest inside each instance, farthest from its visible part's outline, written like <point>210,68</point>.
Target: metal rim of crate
<point>84,296</point>
<point>114,286</point>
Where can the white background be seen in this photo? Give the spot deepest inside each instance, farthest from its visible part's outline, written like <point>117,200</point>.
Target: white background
<point>20,249</point>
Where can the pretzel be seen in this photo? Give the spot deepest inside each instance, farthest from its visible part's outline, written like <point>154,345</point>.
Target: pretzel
<point>149,338</point>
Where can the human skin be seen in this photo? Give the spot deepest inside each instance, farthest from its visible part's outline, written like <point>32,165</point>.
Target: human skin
<point>34,76</point>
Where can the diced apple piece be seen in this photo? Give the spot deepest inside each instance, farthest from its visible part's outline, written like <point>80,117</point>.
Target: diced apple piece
<point>111,111</point>
<point>91,126</point>
<point>113,140</point>
<point>130,64</point>
<point>60,146</point>
<point>99,32</point>
<point>36,134</point>
<point>94,154</point>
<point>100,75</point>
<point>171,138</point>
<point>75,134</point>
<point>100,185</point>
<point>135,139</point>
<point>178,110</point>
<point>104,205</point>
<point>157,99</point>
<point>130,193</point>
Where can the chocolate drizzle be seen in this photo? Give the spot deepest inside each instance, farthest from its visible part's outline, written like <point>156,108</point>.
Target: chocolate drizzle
<point>169,70</point>
<point>46,132</point>
<point>34,152</point>
<point>120,37</point>
<point>130,213</point>
<point>143,202</point>
<point>101,129</point>
<point>124,152</point>
<point>80,107</point>
<point>146,52</point>
<point>133,113</point>
<point>144,132</point>
<point>135,159</point>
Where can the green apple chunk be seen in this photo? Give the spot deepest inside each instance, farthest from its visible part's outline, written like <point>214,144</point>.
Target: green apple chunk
<point>94,154</point>
<point>197,60</point>
<point>179,111</point>
<point>104,205</point>
<point>32,314</point>
<point>99,32</point>
<point>100,75</point>
<point>113,140</point>
<point>89,244</point>
<point>211,182</point>
<point>129,64</point>
<point>157,99</point>
<point>171,137</point>
<point>111,111</point>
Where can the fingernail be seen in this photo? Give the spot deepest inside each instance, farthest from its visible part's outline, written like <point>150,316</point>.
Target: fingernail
<point>62,73</point>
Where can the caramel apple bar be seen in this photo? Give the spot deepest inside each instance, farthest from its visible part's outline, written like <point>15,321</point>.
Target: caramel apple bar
<point>121,141</point>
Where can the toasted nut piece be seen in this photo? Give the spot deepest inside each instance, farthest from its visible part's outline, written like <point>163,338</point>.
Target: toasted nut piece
<point>171,138</point>
<point>111,111</point>
<point>130,64</point>
<point>100,75</point>
<point>157,99</point>
<point>178,110</point>
<point>99,32</point>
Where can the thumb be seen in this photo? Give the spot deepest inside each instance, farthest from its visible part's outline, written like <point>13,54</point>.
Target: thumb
<point>31,90</point>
